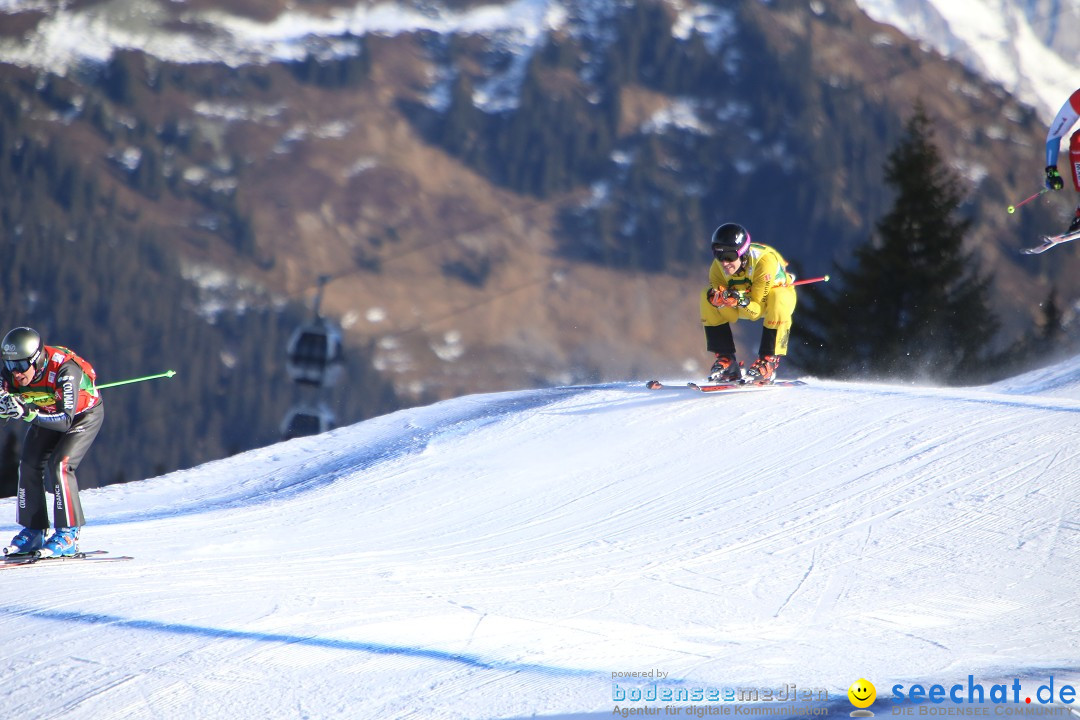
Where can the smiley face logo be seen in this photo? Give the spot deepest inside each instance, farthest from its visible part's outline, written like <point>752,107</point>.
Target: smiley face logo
<point>862,693</point>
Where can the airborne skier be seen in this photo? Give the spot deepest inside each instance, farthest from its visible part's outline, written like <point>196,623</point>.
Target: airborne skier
<point>1063,122</point>
<point>747,281</point>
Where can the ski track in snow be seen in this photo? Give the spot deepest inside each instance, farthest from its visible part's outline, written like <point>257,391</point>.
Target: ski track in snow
<point>501,555</point>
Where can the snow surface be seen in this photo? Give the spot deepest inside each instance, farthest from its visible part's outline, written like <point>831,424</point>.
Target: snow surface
<point>501,555</point>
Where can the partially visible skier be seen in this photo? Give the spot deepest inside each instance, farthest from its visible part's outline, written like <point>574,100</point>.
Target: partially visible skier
<point>52,389</point>
<point>1063,122</point>
<point>747,281</point>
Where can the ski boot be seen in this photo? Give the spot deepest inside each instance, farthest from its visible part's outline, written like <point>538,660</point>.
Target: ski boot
<point>725,370</point>
<point>763,371</point>
<point>27,541</point>
<point>63,543</point>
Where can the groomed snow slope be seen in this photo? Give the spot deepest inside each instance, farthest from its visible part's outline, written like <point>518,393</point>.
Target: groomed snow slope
<point>502,555</point>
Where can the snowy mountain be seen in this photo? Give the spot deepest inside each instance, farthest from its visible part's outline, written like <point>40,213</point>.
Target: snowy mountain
<point>1032,48</point>
<point>70,35</point>
<point>505,555</point>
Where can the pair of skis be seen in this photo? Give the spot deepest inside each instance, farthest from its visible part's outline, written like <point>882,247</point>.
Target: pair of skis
<point>1050,241</point>
<point>11,562</point>
<point>723,387</point>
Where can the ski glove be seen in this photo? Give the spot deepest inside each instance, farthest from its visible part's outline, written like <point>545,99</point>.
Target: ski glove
<point>728,298</point>
<point>1053,178</point>
<point>12,408</point>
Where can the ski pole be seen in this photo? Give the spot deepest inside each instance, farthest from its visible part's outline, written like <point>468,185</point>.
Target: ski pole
<point>807,281</point>
<point>47,397</point>
<point>166,374</point>
<point>1012,208</point>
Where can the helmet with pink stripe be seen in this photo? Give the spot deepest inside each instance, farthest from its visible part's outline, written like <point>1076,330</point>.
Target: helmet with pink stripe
<point>730,242</point>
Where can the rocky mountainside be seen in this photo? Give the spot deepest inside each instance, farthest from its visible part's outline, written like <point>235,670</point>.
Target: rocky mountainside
<point>514,194</point>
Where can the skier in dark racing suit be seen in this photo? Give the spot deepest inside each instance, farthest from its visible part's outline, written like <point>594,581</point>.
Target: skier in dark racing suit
<point>52,389</point>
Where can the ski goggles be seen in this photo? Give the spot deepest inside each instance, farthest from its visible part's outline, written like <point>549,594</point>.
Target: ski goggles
<point>727,255</point>
<point>21,366</point>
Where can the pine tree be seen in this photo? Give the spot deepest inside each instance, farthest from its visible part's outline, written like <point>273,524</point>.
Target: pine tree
<point>914,305</point>
<point>1052,333</point>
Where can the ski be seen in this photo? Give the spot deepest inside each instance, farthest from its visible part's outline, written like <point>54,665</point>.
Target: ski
<point>722,387</point>
<point>1049,241</point>
<point>24,559</point>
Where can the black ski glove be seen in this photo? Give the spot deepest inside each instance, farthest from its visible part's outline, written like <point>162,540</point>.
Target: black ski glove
<point>1053,178</point>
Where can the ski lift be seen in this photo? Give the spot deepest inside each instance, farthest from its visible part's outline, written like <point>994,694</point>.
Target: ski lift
<point>315,354</point>
<point>303,420</point>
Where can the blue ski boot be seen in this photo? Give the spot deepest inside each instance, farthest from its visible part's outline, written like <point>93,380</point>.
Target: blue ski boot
<point>27,541</point>
<point>63,543</point>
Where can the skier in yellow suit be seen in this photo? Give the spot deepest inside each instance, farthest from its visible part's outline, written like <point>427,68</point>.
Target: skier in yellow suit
<point>747,281</point>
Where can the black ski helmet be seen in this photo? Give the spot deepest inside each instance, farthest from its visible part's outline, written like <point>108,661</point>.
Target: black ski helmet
<point>730,241</point>
<point>21,348</point>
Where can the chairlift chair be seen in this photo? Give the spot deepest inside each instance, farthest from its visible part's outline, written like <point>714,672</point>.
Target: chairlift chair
<point>315,354</point>
<point>303,420</point>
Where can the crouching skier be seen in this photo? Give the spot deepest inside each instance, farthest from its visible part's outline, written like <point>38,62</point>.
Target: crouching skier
<point>747,281</point>
<point>52,389</point>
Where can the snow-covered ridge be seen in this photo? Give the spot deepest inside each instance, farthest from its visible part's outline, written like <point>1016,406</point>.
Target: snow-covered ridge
<point>1031,48</point>
<point>72,34</point>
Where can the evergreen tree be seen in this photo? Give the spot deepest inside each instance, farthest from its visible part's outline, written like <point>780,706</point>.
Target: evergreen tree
<point>914,305</point>
<point>1052,333</point>
<point>1042,344</point>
